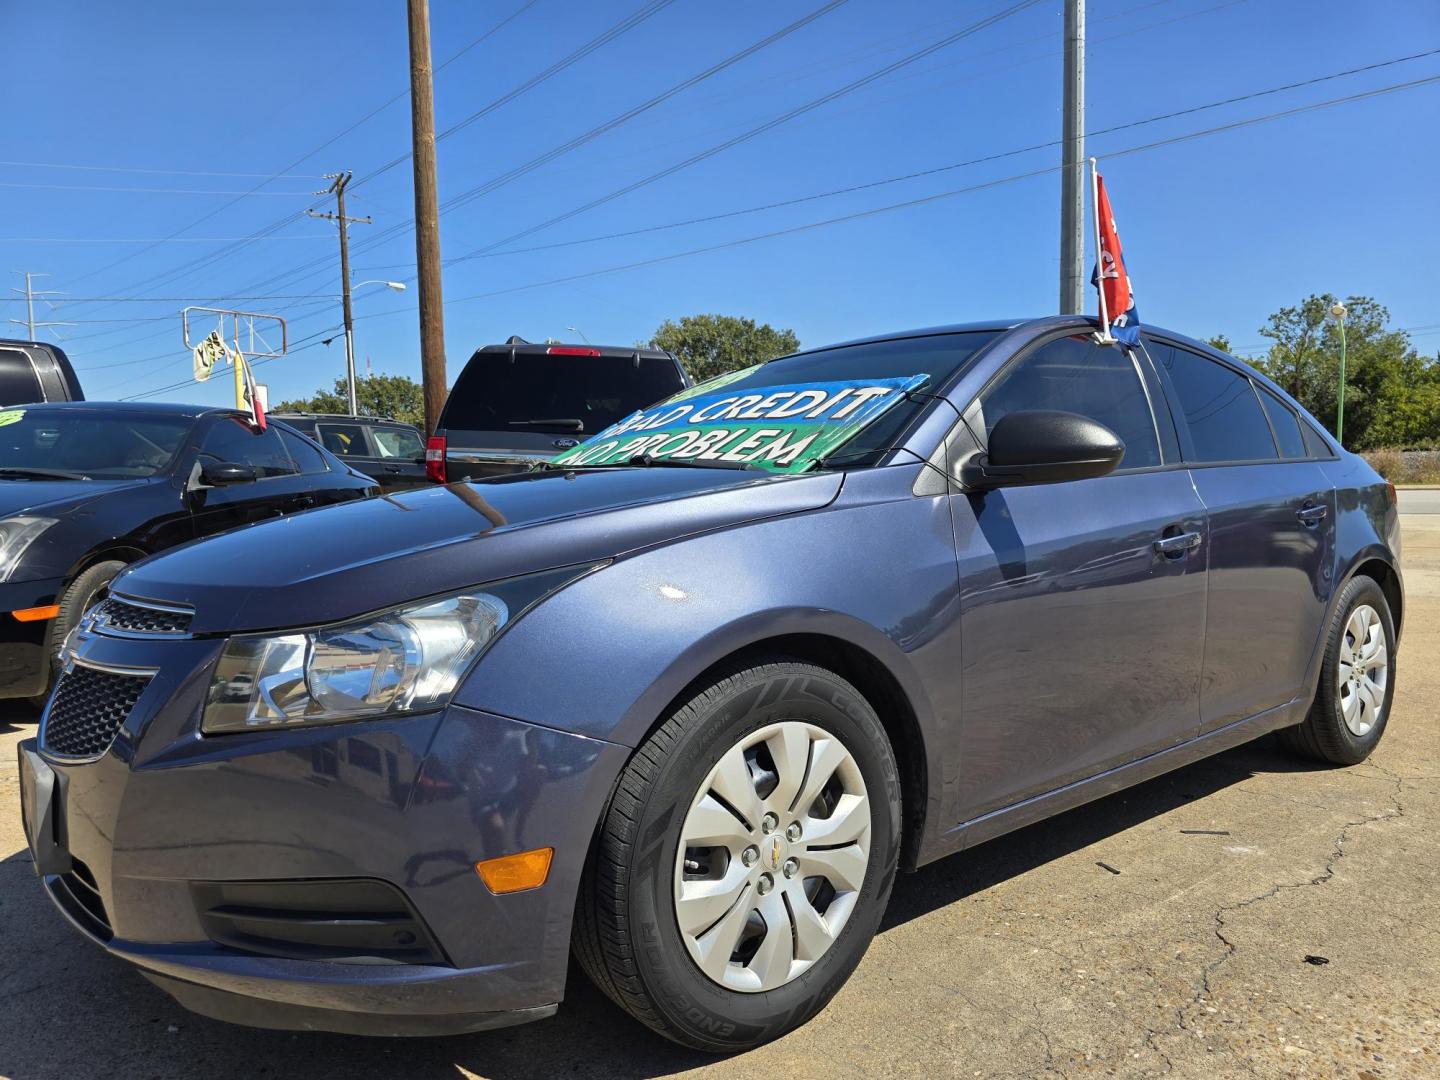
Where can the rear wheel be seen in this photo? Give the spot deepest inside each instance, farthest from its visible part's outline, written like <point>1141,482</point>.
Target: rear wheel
<point>1357,680</point>
<point>745,859</point>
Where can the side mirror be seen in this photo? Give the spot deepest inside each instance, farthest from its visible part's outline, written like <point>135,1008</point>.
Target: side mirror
<point>1043,447</point>
<point>225,473</point>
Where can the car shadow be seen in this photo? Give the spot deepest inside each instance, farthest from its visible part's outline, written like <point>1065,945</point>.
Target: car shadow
<point>47,971</point>
<point>16,715</point>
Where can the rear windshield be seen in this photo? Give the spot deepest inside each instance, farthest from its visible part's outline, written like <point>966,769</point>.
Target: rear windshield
<point>576,395</point>
<point>88,442</point>
<point>843,406</point>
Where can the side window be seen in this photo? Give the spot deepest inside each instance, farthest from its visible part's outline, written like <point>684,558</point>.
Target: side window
<point>18,385</point>
<point>1219,406</point>
<point>1286,425</point>
<point>231,439</point>
<point>1315,445</point>
<point>1073,374</point>
<point>343,440</point>
<point>306,456</point>
<point>398,442</point>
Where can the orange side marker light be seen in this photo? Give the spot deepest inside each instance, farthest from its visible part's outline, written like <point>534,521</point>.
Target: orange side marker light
<point>35,614</point>
<point>516,873</point>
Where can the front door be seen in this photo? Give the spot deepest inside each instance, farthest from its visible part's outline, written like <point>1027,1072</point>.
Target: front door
<point>1081,638</point>
<point>280,489</point>
<point>1272,527</point>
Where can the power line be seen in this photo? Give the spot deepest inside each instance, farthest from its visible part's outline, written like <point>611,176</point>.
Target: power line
<point>149,172</point>
<point>150,191</point>
<point>148,239</point>
<point>893,207</point>
<point>774,122</point>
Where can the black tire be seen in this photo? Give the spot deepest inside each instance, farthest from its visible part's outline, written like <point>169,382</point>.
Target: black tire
<point>627,938</point>
<point>1324,735</point>
<point>79,595</point>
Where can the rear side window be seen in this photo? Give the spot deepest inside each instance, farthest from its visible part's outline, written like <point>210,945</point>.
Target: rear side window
<point>556,394</point>
<point>1219,406</point>
<point>1316,446</point>
<point>397,442</point>
<point>307,457</point>
<point>18,384</point>
<point>1073,374</point>
<point>1286,425</point>
<point>233,441</point>
<point>343,440</point>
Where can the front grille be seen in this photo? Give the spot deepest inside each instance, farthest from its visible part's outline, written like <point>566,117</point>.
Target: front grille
<point>113,613</point>
<point>87,710</point>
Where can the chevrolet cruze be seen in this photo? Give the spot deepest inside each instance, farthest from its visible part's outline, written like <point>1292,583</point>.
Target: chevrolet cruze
<point>684,700</point>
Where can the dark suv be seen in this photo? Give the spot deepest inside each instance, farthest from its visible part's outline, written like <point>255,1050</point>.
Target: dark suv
<point>390,452</point>
<point>518,403</point>
<point>32,371</point>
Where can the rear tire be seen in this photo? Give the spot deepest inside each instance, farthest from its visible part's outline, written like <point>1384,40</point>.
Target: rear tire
<point>783,947</point>
<point>1357,680</point>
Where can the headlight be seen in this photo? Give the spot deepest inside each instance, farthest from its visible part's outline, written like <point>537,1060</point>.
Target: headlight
<point>408,659</point>
<point>16,534</point>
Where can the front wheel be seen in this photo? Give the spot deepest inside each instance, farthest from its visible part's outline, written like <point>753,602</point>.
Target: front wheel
<point>745,859</point>
<point>1357,680</point>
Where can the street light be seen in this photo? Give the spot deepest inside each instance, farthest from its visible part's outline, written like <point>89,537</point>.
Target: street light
<point>397,286</point>
<point>1337,314</point>
<point>577,330</point>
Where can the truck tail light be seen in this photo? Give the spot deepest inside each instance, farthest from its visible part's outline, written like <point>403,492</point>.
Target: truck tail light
<point>435,459</point>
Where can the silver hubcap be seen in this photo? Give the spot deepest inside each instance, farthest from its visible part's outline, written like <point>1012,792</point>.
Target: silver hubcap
<point>772,856</point>
<point>1363,671</point>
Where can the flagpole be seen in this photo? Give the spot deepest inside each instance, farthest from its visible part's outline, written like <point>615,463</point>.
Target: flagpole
<point>1099,253</point>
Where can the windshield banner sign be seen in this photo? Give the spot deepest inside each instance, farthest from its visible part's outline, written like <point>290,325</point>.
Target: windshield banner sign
<point>783,428</point>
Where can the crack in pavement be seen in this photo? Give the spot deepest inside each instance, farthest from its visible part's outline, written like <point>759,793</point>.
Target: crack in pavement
<point>1337,852</point>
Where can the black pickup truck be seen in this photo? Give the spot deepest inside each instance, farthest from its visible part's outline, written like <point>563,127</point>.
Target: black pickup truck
<point>33,371</point>
<point>521,403</point>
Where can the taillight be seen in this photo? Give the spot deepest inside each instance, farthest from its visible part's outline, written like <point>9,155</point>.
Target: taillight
<point>571,350</point>
<point>435,459</point>
<point>1390,493</point>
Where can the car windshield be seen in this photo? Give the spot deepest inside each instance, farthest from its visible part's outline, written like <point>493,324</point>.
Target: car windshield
<point>48,443</point>
<point>561,393</point>
<point>791,414</point>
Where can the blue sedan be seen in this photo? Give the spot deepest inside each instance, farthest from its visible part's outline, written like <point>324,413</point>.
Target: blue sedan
<point>685,700</point>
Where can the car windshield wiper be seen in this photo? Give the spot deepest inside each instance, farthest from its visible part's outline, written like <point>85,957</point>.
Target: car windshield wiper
<point>40,474</point>
<point>645,461</point>
<point>565,423</point>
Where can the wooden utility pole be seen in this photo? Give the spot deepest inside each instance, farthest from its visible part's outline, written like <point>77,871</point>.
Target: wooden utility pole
<point>1072,160</point>
<point>427,215</point>
<point>341,180</point>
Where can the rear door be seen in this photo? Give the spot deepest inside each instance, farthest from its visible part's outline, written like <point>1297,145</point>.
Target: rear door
<point>399,456</point>
<point>1081,638</point>
<point>1271,532</point>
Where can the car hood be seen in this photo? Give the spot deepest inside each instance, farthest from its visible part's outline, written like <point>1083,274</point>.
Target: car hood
<point>56,496</point>
<point>346,560</point>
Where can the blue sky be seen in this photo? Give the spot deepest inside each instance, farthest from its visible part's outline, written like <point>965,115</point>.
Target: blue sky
<point>1219,231</point>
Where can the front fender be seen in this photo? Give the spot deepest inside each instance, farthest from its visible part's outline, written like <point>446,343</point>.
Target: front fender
<point>608,656</point>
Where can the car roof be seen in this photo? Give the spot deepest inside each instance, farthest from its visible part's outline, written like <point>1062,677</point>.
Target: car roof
<point>139,408</point>
<point>339,416</point>
<point>521,347</point>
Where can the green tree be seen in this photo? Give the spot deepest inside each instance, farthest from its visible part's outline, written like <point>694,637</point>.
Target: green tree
<point>710,345</point>
<point>1391,393</point>
<point>396,396</point>
<point>1219,341</point>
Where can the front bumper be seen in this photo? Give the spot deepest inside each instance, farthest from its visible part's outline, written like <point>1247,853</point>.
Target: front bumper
<point>413,803</point>
<point>24,662</point>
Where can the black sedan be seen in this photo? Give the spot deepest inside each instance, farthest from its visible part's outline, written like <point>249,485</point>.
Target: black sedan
<point>88,487</point>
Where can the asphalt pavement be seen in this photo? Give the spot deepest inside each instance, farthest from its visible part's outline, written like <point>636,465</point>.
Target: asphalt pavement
<point>1260,916</point>
<point>1419,500</point>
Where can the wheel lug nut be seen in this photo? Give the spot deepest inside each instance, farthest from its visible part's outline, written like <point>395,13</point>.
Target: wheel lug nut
<point>769,822</point>
<point>793,831</point>
<point>750,855</point>
<point>765,884</point>
<point>792,867</point>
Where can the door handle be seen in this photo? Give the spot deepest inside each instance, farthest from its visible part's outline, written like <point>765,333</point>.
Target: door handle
<point>1311,515</point>
<point>305,502</point>
<point>1172,546</point>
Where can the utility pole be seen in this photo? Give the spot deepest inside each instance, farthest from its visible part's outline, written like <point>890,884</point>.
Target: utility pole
<point>30,294</point>
<point>1072,160</point>
<point>427,215</point>
<point>337,188</point>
